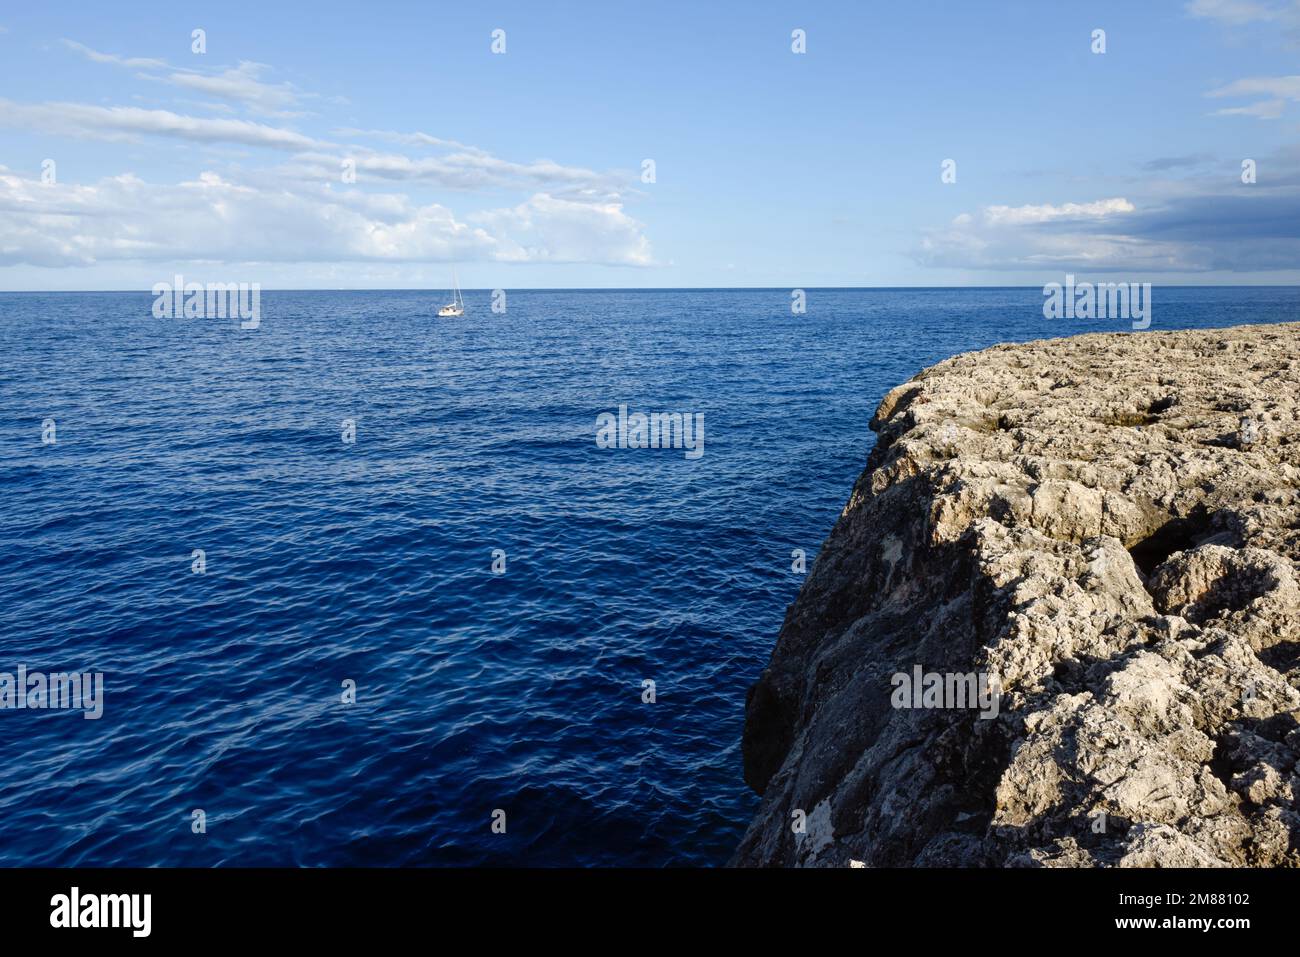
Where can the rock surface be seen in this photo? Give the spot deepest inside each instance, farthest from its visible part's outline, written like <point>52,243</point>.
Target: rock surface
<point>1108,527</point>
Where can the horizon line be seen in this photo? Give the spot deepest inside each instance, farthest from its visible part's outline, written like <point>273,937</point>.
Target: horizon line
<point>438,289</point>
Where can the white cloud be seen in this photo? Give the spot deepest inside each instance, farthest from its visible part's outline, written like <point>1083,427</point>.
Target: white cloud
<point>1284,87</point>
<point>1264,110</point>
<point>550,229</point>
<point>299,210</point>
<point>411,139</point>
<point>965,249</point>
<point>120,122</point>
<point>1022,215</point>
<point>1277,90</point>
<point>468,170</point>
<point>215,219</point>
<point>243,85</point>
<point>137,63</point>
<point>1183,225</point>
<point>1087,235</point>
<point>1241,12</point>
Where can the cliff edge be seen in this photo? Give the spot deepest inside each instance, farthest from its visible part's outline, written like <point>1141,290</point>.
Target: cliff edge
<point>1100,532</point>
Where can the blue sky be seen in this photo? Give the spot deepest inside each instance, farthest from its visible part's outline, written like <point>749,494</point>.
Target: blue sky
<point>771,168</point>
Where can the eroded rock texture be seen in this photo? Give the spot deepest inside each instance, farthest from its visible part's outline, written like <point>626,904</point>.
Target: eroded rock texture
<point>1109,525</point>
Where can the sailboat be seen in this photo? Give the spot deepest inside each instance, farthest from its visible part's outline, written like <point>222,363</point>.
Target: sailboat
<point>457,305</point>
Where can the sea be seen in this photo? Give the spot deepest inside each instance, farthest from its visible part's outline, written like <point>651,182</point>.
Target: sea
<point>364,587</point>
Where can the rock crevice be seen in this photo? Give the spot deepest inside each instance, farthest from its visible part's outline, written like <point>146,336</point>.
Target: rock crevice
<point>1107,528</point>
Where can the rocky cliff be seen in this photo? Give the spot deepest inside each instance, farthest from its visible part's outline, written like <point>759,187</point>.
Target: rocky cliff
<point>1106,528</point>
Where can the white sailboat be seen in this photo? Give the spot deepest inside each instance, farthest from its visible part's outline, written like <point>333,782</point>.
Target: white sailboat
<point>457,305</point>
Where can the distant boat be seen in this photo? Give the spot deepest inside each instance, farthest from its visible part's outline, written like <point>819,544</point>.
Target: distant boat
<point>457,305</point>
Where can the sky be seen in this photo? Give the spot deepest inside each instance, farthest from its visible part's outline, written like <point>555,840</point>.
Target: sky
<point>379,145</point>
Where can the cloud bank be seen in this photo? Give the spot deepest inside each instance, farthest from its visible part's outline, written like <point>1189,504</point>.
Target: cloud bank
<point>318,200</point>
<point>215,219</point>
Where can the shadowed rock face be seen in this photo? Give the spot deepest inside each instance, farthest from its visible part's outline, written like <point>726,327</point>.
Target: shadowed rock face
<point>1107,526</point>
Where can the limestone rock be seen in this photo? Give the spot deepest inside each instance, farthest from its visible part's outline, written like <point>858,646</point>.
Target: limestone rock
<point>1107,528</point>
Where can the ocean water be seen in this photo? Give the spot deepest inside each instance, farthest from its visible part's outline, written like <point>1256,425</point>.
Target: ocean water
<point>371,562</point>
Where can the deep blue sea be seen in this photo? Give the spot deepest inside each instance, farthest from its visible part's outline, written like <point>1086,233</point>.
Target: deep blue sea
<point>371,562</point>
